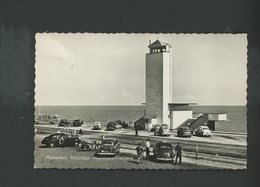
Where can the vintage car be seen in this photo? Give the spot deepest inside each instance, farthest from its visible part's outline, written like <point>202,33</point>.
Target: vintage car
<point>184,132</point>
<point>121,124</point>
<point>70,123</point>
<point>97,125</point>
<point>202,131</point>
<point>164,130</point>
<point>154,127</point>
<point>77,123</point>
<point>60,140</point>
<point>48,119</point>
<point>64,123</point>
<point>109,146</point>
<point>110,126</point>
<point>163,151</point>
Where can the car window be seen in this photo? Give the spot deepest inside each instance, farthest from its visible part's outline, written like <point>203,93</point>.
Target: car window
<point>165,146</point>
<point>65,136</point>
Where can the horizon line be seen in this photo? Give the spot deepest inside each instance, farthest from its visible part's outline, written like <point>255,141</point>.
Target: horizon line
<point>132,105</point>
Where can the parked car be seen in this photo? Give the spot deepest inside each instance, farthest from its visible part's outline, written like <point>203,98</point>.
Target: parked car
<point>88,145</point>
<point>109,146</point>
<point>77,123</point>
<point>97,125</point>
<point>61,140</point>
<point>164,130</point>
<point>118,126</point>
<point>121,124</point>
<point>202,131</point>
<point>184,132</point>
<point>155,126</point>
<point>48,119</point>
<point>70,123</point>
<point>110,126</point>
<point>164,151</point>
<point>64,123</point>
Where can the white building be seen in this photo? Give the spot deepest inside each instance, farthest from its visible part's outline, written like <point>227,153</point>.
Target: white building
<point>159,106</point>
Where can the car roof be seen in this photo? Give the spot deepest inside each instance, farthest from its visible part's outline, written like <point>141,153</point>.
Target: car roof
<point>57,134</point>
<point>163,142</point>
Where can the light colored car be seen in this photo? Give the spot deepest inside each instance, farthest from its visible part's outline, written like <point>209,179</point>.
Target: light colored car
<point>202,131</point>
<point>164,130</point>
<point>97,125</point>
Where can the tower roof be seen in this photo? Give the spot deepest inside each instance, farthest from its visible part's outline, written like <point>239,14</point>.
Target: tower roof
<point>158,44</point>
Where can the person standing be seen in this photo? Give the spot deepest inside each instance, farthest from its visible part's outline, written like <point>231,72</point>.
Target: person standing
<point>196,151</point>
<point>140,151</point>
<point>178,152</point>
<point>147,148</point>
<point>136,129</point>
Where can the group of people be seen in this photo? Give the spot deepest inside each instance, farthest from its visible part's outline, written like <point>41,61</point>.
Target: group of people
<point>141,148</point>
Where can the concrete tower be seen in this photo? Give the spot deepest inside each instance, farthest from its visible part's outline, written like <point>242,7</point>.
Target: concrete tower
<point>158,82</point>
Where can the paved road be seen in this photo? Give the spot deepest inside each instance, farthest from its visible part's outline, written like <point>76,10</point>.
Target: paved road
<point>71,157</point>
<point>206,145</point>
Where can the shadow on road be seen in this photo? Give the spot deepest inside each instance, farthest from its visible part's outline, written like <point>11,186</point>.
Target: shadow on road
<point>133,161</point>
<point>43,146</point>
<point>153,159</point>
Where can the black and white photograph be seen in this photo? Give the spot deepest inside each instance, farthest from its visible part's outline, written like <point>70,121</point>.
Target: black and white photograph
<point>140,101</point>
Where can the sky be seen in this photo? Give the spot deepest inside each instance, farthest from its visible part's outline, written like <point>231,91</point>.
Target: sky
<point>109,69</point>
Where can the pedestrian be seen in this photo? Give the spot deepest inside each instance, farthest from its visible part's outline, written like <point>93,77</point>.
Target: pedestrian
<point>139,150</point>
<point>136,129</point>
<point>156,130</point>
<point>80,132</point>
<point>196,151</point>
<point>161,131</point>
<point>178,152</point>
<point>147,148</point>
<point>172,155</point>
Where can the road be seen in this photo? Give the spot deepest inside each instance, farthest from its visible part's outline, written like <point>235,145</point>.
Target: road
<point>72,157</point>
<point>225,146</point>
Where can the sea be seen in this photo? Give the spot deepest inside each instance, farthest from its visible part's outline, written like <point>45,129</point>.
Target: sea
<point>237,115</point>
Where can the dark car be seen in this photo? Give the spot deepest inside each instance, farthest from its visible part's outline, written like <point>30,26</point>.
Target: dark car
<point>61,140</point>
<point>121,124</point>
<point>77,122</point>
<point>64,123</point>
<point>184,132</point>
<point>109,146</point>
<point>70,123</point>
<point>164,151</point>
<point>111,126</point>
